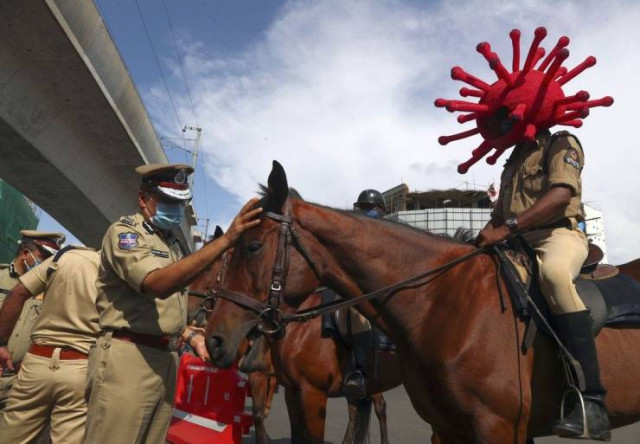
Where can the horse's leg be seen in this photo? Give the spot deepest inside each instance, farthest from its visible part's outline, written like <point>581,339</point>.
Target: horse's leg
<point>380,405</point>
<point>352,408</point>
<point>258,383</point>
<point>359,416</point>
<point>307,409</point>
<point>272,385</point>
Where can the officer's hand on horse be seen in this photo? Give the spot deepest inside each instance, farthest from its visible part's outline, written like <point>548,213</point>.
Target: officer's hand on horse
<point>492,236</point>
<point>6,362</point>
<point>247,218</point>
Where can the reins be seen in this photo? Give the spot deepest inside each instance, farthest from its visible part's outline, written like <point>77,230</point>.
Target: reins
<point>310,313</point>
<point>270,311</point>
<point>209,297</point>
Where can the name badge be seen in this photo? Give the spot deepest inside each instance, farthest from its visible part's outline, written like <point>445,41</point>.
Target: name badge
<point>160,253</point>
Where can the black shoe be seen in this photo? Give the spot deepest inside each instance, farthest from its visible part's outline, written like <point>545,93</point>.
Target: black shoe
<point>572,426</point>
<point>575,332</point>
<point>355,384</point>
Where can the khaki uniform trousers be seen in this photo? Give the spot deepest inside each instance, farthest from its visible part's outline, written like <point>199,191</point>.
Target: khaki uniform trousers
<point>359,323</point>
<point>46,390</point>
<point>561,253</point>
<point>130,390</point>
<point>6,383</point>
<point>18,344</point>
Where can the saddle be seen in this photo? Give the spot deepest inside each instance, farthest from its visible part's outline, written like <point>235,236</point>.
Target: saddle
<point>334,325</point>
<point>612,297</point>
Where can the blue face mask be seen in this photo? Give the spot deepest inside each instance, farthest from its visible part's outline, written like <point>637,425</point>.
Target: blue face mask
<point>373,213</point>
<point>168,215</point>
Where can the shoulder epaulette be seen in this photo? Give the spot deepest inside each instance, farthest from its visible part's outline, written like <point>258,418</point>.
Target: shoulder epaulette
<point>551,140</point>
<point>53,266</point>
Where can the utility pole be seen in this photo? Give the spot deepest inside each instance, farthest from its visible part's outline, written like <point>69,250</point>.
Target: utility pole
<point>195,150</point>
<point>206,232</point>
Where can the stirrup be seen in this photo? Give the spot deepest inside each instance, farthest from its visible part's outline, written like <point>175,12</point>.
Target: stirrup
<point>585,425</point>
<point>355,384</point>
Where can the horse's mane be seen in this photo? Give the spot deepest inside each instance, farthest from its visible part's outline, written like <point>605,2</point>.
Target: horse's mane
<point>462,235</point>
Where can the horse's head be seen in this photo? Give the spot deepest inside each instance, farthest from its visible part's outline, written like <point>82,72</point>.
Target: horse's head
<point>202,292</point>
<point>272,270</point>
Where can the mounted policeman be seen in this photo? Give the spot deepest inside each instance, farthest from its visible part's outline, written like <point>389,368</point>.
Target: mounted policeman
<point>541,191</point>
<point>371,204</point>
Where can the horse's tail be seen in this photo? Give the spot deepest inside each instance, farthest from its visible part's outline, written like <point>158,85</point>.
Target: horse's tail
<point>359,434</point>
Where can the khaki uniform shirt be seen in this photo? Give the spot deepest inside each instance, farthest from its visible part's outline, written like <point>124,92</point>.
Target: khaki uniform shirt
<point>525,179</point>
<point>131,249</point>
<point>69,317</point>
<point>20,336</point>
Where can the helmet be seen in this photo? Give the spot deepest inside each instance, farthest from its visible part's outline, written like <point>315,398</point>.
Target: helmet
<point>370,198</point>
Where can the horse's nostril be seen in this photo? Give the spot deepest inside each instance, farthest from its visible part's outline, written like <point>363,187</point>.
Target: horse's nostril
<point>213,342</point>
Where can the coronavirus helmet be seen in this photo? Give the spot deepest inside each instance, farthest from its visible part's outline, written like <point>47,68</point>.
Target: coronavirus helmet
<point>522,102</point>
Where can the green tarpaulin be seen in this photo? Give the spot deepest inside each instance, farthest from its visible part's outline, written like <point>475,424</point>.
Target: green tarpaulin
<point>16,213</point>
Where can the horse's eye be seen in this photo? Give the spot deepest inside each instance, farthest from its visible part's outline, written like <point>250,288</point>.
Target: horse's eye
<point>254,247</point>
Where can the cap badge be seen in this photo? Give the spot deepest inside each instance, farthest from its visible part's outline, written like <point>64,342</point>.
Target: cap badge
<point>180,177</point>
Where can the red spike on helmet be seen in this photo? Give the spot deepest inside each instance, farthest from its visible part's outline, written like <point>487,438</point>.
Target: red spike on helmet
<point>522,102</point>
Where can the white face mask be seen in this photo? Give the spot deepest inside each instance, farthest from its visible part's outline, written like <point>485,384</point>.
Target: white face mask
<point>36,262</point>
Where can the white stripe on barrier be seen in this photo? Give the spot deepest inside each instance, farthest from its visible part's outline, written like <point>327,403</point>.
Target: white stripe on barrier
<point>199,420</point>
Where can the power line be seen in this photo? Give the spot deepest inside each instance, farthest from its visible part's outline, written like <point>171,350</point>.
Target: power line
<point>155,56</point>
<point>184,77</point>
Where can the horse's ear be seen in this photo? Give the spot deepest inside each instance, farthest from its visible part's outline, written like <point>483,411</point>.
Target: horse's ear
<point>218,233</point>
<point>278,188</point>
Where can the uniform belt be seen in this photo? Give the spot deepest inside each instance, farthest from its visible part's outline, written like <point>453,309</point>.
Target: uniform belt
<point>159,342</point>
<point>562,223</point>
<point>46,351</point>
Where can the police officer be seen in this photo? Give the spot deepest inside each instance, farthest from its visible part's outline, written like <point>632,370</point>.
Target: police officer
<point>142,305</point>
<point>34,247</point>
<point>371,204</point>
<point>540,198</point>
<point>53,375</point>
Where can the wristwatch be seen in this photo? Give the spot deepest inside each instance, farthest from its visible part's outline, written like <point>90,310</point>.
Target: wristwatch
<point>512,224</point>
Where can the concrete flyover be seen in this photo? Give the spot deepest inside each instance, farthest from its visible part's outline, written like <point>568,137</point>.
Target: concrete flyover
<point>72,125</point>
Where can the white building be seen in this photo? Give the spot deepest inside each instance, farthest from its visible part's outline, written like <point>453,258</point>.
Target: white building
<point>444,211</point>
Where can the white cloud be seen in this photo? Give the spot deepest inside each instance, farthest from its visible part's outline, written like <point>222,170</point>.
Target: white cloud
<point>341,93</point>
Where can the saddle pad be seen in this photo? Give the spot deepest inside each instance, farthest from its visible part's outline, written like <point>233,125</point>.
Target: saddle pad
<point>622,296</point>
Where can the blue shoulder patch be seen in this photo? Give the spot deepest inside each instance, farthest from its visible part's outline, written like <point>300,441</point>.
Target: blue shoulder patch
<point>127,241</point>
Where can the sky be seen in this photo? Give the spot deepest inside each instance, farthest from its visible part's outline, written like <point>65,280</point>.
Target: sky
<point>341,93</point>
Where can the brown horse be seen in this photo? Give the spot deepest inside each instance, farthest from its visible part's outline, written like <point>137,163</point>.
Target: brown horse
<point>262,382</point>
<point>310,376</point>
<point>460,346</point>
<point>311,368</point>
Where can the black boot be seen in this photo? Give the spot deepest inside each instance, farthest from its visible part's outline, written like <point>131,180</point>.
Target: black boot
<point>574,330</point>
<point>355,383</point>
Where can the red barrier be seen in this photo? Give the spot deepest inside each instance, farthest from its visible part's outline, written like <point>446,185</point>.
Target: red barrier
<point>209,404</point>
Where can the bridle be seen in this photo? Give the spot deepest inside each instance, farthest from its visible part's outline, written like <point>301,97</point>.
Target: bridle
<point>210,296</point>
<point>271,321</point>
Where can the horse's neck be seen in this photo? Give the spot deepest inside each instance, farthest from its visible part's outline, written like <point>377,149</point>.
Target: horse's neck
<point>372,252</point>
<point>364,255</point>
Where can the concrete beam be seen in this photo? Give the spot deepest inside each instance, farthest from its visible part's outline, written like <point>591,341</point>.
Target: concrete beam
<point>72,125</point>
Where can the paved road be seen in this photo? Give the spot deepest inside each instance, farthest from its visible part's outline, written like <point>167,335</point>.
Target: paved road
<point>405,427</point>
